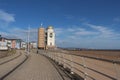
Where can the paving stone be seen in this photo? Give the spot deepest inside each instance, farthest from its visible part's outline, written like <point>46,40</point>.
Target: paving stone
<point>37,67</point>
<point>7,67</point>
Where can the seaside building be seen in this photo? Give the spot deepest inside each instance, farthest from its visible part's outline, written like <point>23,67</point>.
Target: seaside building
<point>3,43</point>
<point>14,43</point>
<point>33,45</point>
<point>41,38</point>
<point>46,38</point>
<point>50,37</point>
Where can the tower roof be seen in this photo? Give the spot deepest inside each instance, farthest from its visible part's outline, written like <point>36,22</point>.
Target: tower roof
<point>50,27</point>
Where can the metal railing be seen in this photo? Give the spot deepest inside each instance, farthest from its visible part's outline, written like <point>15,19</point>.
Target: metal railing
<point>89,68</point>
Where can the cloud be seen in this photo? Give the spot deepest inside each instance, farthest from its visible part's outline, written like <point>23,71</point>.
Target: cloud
<point>71,29</point>
<point>85,32</point>
<point>95,37</point>
<point>88,36</point>
<point>81,31</point>
<point>105,32</point>
<point>88,33</point>
<point>7,17</point>
<point>101,29</point>
<point>20,33</point>
<point>117,19</point>
<point>23,34</point>
<point>59,31</point>
<point>3,33</point>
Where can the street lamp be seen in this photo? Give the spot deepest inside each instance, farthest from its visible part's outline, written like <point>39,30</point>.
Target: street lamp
<point>28,40</point>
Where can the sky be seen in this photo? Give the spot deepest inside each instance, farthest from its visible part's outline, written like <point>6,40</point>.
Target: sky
<point>91,24</point>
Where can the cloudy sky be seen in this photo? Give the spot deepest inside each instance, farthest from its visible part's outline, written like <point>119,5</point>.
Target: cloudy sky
<point>77,23</point>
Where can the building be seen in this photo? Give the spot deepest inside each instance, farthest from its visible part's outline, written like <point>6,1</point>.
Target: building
<point>10,43</point>
<point>14,43</point>
<point>46,38</point>
<point>41,38</point>
<point>3,43</point>
<point>18,43</point>
<point>23,45</point>
<point>50,37</point>
<point>33,45</point>
<point>3,46</point>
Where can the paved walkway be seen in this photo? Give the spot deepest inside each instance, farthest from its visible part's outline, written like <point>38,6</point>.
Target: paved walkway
<point>7,67</point>
<point>37,67</point>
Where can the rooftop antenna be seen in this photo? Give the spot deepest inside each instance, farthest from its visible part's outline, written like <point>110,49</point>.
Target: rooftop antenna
<point>41,24</point>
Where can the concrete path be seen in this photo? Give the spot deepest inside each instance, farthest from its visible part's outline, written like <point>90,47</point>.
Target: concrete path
<point>37,67</point>
<point>5,59</point>
<point>8,66</point>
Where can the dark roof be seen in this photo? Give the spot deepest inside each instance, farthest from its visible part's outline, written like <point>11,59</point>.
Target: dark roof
<point>10,38</point>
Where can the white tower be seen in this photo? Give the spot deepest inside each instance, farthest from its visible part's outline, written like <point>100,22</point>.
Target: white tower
<point>50,37</point>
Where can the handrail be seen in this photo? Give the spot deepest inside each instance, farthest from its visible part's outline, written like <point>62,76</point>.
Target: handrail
<point>96,58</point>
<point>87,68</point>
<point>61,59</point>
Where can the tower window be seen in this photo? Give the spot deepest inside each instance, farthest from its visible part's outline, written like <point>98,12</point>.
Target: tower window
<point>50,44</point>
<point>51,35</point>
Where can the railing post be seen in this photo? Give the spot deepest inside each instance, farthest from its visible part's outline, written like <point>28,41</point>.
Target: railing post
<point>84,65</point>
<point>53,56</point>
<point>56,56</point>
<point>71,63</point>
<point>59,58</point>
<point>116,70</point>
<point>63,60</point>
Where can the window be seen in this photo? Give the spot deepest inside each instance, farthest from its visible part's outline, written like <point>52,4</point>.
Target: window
<point>51,35</point>
<point>50,44</point>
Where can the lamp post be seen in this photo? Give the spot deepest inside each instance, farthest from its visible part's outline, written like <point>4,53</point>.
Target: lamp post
<point>28,36</point>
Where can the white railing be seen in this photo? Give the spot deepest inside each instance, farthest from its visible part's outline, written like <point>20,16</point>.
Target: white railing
<point>89,68</point>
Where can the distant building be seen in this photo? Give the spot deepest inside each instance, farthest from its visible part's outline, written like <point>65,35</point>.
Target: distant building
<point>23,45</point>
<point>3,43</point>
<point>33,45</point>
<point>3,46</point>
<point>50,37</point>
<point>14,43</point>
<point>3,39</point>
<point>11,43</point>
<point>41,38</point>
<point>18,43</point>
<point>46,38</point>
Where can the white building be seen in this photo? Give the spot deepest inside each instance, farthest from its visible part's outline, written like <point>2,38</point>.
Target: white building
<point>9,43</point>
<point>3,45</point>
<point>46,38</point>
<point>23,45</point>
<point>50,37</point>
<point>33,45</point>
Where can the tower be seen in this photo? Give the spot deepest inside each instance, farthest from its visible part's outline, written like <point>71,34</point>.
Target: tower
<point>41,38</point>
<point>50,39</point>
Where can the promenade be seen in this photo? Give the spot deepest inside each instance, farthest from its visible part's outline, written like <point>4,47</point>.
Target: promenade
<point>57,65</point>
<point>36,67</point>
